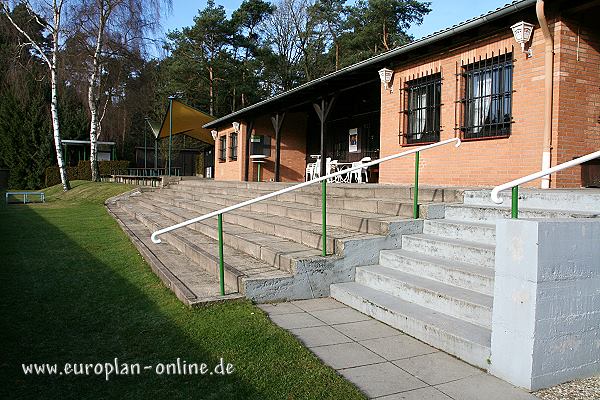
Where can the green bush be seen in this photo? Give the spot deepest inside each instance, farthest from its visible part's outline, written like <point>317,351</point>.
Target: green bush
<point>83,171</point>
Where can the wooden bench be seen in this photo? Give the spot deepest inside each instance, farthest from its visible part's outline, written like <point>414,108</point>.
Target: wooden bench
<point>26,195</point>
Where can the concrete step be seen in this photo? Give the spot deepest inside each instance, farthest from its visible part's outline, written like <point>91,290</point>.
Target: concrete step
<point>462,339</point>
<point>358,221</point>
<point>277,252</point>
<point>307,233</point>
<point>251,277</point>
<point>477,213</point>
<point>582,200</point>
<point>451,300</point>
<point>188,280</point>
<point>470,231</point>
<point>450,249</point>
<point>464,275</point>
<point>368,190</point>
<point>386,206</point>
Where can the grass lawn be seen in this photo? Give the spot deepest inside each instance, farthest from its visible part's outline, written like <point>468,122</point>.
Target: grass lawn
<point>75,290</point>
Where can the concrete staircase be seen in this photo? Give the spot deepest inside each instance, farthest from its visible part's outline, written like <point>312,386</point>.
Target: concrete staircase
<point>438,287</point>
<point>272,249</point>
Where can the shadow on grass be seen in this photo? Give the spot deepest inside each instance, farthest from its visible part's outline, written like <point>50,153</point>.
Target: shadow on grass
<point>75,291</point>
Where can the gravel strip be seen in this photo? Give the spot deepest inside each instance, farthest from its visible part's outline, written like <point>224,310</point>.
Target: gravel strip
<point>585,389</point>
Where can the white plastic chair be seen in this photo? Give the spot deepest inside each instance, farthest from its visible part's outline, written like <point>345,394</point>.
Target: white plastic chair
<point>310,171</point>
<point>357,174</point>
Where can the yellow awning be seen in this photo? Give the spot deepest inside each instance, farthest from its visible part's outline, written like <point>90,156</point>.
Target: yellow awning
<point>187,121</point>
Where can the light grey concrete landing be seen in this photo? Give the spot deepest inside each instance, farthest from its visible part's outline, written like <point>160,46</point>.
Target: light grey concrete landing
<point>381,361</point>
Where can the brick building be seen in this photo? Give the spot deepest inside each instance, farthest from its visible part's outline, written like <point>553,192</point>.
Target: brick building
<point>474,81</point>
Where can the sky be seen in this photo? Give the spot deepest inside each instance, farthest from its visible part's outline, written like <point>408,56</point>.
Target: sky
<point>444,14</point>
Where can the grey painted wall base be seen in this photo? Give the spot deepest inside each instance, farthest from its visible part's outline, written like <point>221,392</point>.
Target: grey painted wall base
<point>546,315</point>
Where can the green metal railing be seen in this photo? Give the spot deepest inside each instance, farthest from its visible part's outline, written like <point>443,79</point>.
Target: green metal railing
<point>514,185</point>
<point>323,180</point>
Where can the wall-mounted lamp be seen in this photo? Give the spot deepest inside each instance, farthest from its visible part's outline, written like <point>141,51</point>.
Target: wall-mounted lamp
<point>386,77</point>
<point>214,134</point>
<point>236,127</point>
<point>522,32</point>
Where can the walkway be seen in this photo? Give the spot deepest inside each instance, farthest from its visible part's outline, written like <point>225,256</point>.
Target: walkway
<point>382,361</point>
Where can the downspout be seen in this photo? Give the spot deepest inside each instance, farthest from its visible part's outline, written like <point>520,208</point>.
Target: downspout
<point>548,90</point>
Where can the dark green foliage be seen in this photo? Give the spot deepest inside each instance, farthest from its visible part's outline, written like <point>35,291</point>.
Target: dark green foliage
<point>25,138</point>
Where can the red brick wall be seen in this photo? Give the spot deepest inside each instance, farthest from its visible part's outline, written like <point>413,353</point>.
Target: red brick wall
<point>293,148</point>
<point>475,163</point>
<point>229,170</point>
<point>578,80</point>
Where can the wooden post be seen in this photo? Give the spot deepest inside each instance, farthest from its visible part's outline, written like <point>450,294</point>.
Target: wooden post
<point>277,122</point>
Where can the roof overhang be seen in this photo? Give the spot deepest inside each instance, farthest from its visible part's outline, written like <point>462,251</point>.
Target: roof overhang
<point>348,76</point>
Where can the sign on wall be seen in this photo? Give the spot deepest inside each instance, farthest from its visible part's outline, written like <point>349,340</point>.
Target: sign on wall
<point>353,140</point>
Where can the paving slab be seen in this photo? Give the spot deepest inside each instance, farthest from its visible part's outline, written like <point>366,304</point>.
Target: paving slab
<point>369,329</point>
<point>319,336</point>
<point>483,387</point>
<point>346,355</point>
<point>296,320</point>
<point>340,316</point>
<point>383,362</point>
<point>381,379</point>
<point>426,393</point>
<point>437,368</point>
<point>279,308</point>
<point>325,303</point>
<point>398,347</point>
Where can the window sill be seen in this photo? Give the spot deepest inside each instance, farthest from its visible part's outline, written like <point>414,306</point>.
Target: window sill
<point>416,144</point>
<point>463,139</point>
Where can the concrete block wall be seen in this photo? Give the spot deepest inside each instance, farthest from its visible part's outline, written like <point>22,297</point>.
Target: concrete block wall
<point>546,314</point>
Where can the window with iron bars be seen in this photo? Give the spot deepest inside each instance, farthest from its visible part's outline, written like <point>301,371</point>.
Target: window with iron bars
<point>423,109</point>
<point>223,148</point>
<point>233,146</point>
<point>487,105</point>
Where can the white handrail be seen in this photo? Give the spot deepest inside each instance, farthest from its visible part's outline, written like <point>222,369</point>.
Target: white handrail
<point>537,175</point>
<point>295,187</point>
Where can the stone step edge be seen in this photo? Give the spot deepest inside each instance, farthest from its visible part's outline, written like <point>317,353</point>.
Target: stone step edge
<point>437,261</point>
<point>181,291</point>
<point>338,246</point>
<point>293,259</point>
<point>431,333</point>
<point>421,284</point>
<point>384,218</point>
<point>232,273</point>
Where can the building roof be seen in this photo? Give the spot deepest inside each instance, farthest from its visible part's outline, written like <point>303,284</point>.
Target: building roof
<point>379,61</point>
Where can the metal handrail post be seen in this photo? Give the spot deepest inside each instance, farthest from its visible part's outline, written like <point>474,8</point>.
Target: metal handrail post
<point>324,216</point>
<point>514,208</point>
<point>221,263</point>
<point>416,193</point>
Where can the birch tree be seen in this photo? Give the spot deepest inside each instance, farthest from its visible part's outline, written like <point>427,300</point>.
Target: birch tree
<point>49,16</point>
<point>112,26</point>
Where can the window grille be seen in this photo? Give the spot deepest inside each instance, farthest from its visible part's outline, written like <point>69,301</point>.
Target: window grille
<point>423,103</point>
<point>487,102</point>
<point>233,146</point>
<point>223,148</point>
